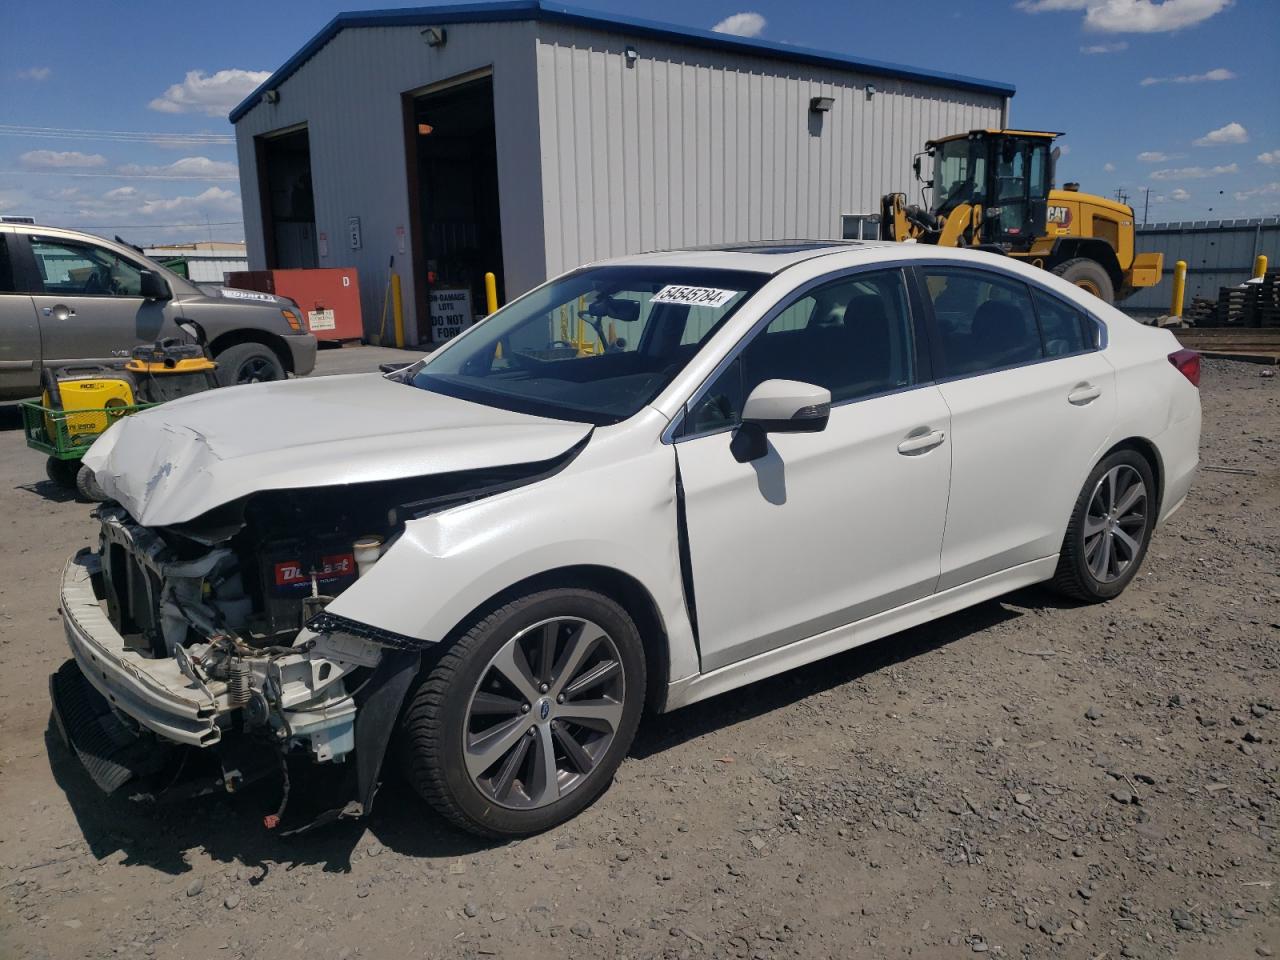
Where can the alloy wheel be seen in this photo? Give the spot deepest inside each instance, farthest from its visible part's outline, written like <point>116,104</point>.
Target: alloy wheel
<point>1115,524</point>
<point>256,370</point>
<point>544,713</point>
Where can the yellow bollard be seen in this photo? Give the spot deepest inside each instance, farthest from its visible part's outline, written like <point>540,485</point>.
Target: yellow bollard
<point>1260,266</point>
<point>1179,287</point>
<point>491,292</point>
<point>397,309</point>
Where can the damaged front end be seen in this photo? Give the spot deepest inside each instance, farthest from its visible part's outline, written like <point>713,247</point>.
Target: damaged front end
<point>202,655</point>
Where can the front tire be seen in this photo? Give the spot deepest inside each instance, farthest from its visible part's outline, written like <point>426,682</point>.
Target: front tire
<point>523,722</point>
<point>1088,275</point>
<point>248,363</point>
<point>1110,529</point>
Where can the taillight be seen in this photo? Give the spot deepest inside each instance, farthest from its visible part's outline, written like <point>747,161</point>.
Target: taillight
<point>1188,364</point>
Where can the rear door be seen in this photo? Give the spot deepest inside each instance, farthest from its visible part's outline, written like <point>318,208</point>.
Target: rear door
<point>90,305</point>
<point>1032,403</point>
<point>19,330</point>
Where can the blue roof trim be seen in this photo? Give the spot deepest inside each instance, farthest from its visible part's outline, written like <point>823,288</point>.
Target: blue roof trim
<point>515,10</point>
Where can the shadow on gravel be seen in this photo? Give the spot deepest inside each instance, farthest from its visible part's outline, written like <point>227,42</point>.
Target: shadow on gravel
<point>48,490</point>
<point>229,827</point>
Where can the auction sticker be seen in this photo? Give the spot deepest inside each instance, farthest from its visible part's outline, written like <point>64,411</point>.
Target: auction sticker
<point>693,296</point>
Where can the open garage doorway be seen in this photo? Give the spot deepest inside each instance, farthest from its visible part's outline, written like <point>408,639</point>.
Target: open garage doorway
<point>288,203</point>
<point>453,163</point>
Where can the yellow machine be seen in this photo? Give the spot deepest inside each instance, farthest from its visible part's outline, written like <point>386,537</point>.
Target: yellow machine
<point>83,400</point>
<point>993,189</point>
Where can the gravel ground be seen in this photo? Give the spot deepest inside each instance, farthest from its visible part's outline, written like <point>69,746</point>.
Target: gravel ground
<point>1027,778</point>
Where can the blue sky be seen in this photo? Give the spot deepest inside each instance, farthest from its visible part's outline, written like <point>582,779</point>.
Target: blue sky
<point>1181,97</point>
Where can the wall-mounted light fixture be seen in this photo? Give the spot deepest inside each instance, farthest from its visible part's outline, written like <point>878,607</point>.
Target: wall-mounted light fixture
<point>821,104</point>
<point>424,129</point>
<point>271,96</point>
<point>632,55</point>
<point>871,90</point>
<point>435,36</point>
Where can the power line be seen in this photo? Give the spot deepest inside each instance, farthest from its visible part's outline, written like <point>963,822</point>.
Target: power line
<point>74,133</point>
<point>155,226</point>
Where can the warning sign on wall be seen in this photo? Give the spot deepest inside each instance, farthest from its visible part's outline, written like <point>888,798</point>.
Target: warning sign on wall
<point>450,313</point>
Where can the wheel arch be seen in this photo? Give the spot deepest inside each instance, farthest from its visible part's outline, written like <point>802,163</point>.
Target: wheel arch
<point>1149,452</point>
<point>241,335</point>
<point>621,587</point>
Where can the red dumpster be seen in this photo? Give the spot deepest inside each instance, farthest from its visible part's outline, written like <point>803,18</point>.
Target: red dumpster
<point>329,297</point>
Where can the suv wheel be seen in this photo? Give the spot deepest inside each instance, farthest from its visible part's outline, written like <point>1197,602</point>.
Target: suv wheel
<point>525,719</point>
<point>248,363</point>
<point>1110,529</point>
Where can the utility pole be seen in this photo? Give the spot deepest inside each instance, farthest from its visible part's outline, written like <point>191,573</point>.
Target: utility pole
<point>1121,196</point>
<point>1146,205</point>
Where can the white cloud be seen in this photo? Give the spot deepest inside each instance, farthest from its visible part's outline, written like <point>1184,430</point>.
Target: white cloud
<point>35,73</point>
<point>1194,173</point>
<point>1109,168</point>
<point>60,159</point>
<point>213,200</point>
<point>1211,76</point>
<point>121,193</point>
<point>1179,194</point>
<point>1270,157</point>
<point>1097,48</point>
<point>1266,190</point>
<point>1231,133</point>
<point>1152,156</point>
<point>1133,16</point>
<point>213,94</point>
<point>741,25</point>
<point>197,168</point>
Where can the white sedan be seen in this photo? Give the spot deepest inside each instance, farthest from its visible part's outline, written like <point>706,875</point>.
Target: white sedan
<point>644,483</point>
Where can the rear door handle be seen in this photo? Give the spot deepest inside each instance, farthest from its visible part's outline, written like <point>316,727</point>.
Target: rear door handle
<point>59,311</point>
<point>1084,393</point>
<point>922,443</point>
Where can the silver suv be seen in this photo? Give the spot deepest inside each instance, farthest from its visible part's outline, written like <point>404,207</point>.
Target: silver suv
<point>67,296</point>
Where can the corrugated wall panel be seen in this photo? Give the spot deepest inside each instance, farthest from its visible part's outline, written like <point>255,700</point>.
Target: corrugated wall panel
<point>690,146</point>
<point>1219,253</point>
<point>348,94</point>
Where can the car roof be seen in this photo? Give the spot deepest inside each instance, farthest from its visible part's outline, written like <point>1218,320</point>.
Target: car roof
<point>756,256</point>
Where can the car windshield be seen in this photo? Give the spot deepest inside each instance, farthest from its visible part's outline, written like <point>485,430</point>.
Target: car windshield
<point>594,346</point>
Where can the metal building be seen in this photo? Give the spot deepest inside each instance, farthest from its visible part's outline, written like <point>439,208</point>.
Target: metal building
<point>524,138</point>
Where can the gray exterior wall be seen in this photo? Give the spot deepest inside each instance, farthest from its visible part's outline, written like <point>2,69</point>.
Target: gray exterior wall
<point>349,97</point>
<point>692,146</point>
<point>1219,253</point>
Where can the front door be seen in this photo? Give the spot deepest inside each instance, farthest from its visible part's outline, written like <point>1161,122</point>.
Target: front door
<point>90,306</point>
<point>830,527</point>
<point>1032,405</point>
<point>19,331</point>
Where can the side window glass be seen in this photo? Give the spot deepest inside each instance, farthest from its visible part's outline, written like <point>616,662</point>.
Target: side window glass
<point>6,267</point>
<point>852,336</point>
<point>1063,326</point>
<point>77,269</point>
<point>984,321</point>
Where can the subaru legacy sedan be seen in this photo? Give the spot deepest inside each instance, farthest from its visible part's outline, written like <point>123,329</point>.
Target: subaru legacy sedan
<point>647,482</point>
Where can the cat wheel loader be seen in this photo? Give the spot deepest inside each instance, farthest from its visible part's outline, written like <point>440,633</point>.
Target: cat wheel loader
<point>993,190</point>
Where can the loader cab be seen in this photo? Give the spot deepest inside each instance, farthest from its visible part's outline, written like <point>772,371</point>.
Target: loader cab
<point>1008,173</point>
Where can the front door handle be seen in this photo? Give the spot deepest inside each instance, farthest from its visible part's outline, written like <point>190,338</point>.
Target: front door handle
<point>1083,393</point>
<point>922,443</point>
<point>59,311</point>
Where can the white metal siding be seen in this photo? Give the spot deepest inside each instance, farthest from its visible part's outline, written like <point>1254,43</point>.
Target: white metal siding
<point>348,95</point>
<point>692,146</point>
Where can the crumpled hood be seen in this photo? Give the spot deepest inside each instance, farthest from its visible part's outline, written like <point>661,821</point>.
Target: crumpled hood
<point>177,461</point>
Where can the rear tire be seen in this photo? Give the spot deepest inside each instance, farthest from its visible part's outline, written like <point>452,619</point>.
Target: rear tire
<point>248,363</point>
<point>62,472</point>
<point>1088,275</point>
<point>490,740</point>
<point>1110,529</point>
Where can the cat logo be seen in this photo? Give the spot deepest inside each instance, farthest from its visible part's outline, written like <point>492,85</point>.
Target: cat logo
<point>1060,216</point>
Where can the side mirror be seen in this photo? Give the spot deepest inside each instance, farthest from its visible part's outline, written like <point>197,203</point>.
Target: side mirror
<point>779,406</point>
<point>153,286</point>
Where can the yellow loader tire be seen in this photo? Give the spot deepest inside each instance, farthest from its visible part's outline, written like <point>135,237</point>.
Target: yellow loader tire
<point>1087,275</point>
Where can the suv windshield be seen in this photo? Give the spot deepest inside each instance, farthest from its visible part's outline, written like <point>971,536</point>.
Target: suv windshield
<point>594,346</point>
